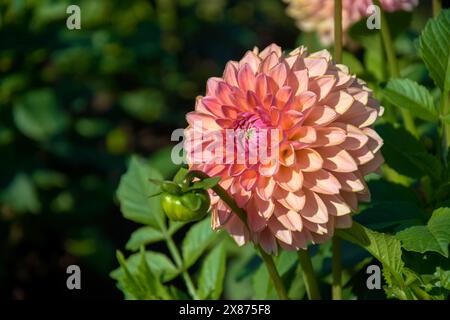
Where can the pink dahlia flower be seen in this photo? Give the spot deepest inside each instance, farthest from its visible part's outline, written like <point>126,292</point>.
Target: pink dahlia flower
<point>318,15</point>
<point>321,145</point>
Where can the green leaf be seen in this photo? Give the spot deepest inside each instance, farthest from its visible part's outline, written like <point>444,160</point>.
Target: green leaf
<point>385,248</point>
<point>145,105</point>
<point>411,159</point>
<point>134,194</point>
<point>353,63</point>
<point>147,278</point>
<point>181,174</point>
<point>386,214</point>
<point>212,273</point>
<point>144,236</point>
<point>21,195</point>
<point>126,280</point>
<point>206,183</point>
<point>435,236</point>
<point>435,49</point>
<point>174,226</point>
<point>140,282</point>
<point>38,116</point>
<point>407,94</point>
<point>262,285</point>
<point>197,239</point>
<point>158,263</point>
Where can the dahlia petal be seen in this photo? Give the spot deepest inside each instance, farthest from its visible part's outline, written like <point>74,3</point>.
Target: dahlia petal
<point>248,179</point>
<point>237,230</point>
<point>220,215</point>
<point>261,85</point>
<point>279,74</point>
<point>269,169</point>
<point>320,116</point>
<point>289,179</point>
<point>372,165</point>
<point>350,199</point>
<point>337,159</point>
<point>283,96</point>
<point>306,100</point>
<point>356,138</point>
<point>279,231</point>
<point>308,160</point>
<point>273,48</point>
<point>209,105</point>
<point>314,209</point>
<point>305,135</point>
<point>349,181</point>
<point>212,85</point>
<point>329,136</point>
<point>265,208</point>
<point>343,222</point>
<point>242,197</point>
<point>269,62</point>
<point>316,228</point>
<point>375,142</point>
<point>255,220</point>
<point>251,60</point>
<point>202,121</point>
<point>230,73</point>
<point>322,86</point>
<point>265,187</point>
<point>287,155</point>
<point>268,242</point>
<point>246,78</point>
<point>230,112</point>
<point>291,200</point>
<point>317,66</point>
<point>362,155</point>
<point>321,181</point>
<point>340,101</point>
<point>300,239</point>
<point>335,204</point>
<point>288,218</point>
<point>302,80</point>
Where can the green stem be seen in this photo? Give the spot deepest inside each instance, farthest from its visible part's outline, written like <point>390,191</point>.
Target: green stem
<point>445,128</point>
<point>394,69</point>
<point>274,275</point>
<point>336,289</point>
<point>268,260</point>
<point>338,31</point>
<point>336,292</point>
<point>179,262</point>
<point>437,7</point>
<point>421,294</point>
<point>312,289</point>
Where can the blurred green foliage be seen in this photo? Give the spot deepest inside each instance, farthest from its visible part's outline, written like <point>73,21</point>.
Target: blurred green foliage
<point>74,104</point>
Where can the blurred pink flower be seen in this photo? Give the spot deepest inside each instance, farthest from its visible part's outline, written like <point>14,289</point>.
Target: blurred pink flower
<point>324,148</point>
<point>318,15</point>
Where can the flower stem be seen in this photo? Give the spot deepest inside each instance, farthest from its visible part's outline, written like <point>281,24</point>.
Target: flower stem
<point>274,275</point>
<point>312,289</point>
<point>394,69</point>
<point>338,31</point>
<point>336,289</point>
<point>437,7</point>
<point>179,262</point>
<point>336,271</point>
<point>268,260</point>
